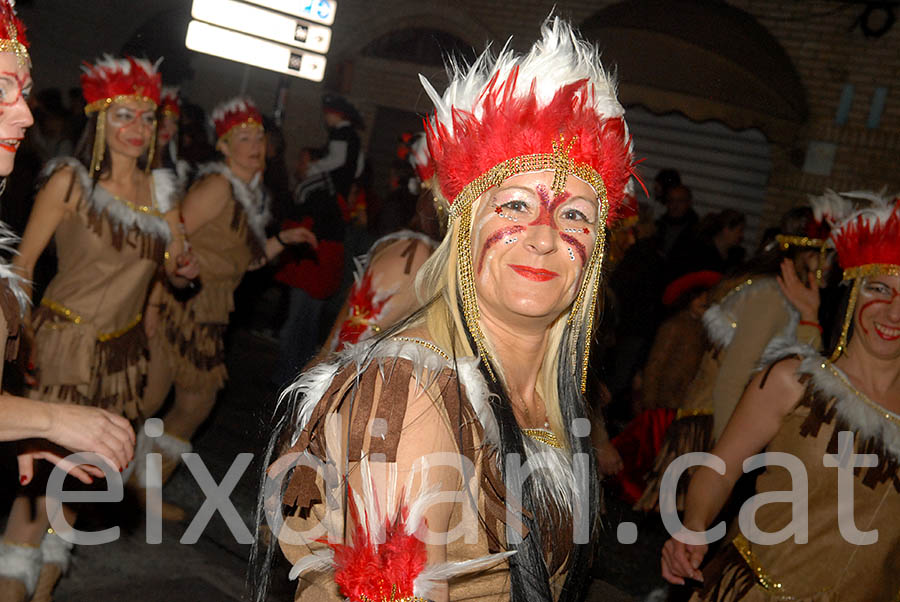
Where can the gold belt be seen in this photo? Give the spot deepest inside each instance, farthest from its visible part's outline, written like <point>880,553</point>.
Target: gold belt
<point>70,315</point>
<point>687,413</point>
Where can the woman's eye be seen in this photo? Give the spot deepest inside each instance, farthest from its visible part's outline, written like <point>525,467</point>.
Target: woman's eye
<point>124,115</point>
<point>878,289</point>
<point>149,119</point>
<point>574,215</point>
<point>518,206</point>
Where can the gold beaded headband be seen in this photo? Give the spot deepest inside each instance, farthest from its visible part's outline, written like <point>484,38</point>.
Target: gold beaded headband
<point>559,162</point>
<point>12,44</point>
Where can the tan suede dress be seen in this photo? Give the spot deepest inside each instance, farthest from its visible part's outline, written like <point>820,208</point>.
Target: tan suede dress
<point>193,330</point>
<point>751,315</point>
<point>443,439</point>
<point>91,347</point>
<point>828,567</point>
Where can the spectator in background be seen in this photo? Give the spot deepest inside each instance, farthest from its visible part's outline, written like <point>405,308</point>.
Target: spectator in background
<point>676,226</point>
<point>717,246</point>
<point>195,145</point>
<point>52,137</point>
<point>664,180</point>
<point>311,276</point>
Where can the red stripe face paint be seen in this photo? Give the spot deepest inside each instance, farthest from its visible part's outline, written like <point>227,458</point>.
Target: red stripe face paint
<point>493,239</point>
<point>576,244</point>
<point>547,207</point>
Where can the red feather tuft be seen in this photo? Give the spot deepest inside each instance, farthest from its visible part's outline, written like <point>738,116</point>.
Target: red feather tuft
<point>868,239</point>
<point>509,126</point>
<point>378,572</point>
<point>8,18</point>
<point>109,79</point>
<point>363,311</point>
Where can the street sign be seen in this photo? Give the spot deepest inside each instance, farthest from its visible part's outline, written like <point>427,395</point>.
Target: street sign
<point>250,50</point>
<point>320,11</point>
<point>263,23</point>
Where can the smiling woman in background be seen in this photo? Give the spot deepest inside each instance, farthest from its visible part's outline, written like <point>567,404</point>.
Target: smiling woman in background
<point>111,222</point>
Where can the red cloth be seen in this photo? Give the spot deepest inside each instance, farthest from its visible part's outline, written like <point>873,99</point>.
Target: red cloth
<point>639,445</point>
<point>320,275</point>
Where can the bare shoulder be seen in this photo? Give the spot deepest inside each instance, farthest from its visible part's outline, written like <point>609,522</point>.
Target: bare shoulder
<point>780,383</point>
<point>62,186</point>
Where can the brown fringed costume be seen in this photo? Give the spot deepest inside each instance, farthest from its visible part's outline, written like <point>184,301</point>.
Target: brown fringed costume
<point>91,348</point>
<point>751,316</point>
<point>192,332</point>
<point>355,412</point>
<point>827,568</point>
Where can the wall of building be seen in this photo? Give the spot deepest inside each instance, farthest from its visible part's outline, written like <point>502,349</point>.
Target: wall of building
<point>826,48</point>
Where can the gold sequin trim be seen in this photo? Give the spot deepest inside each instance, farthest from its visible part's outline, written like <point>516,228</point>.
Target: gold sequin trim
<point>543,436</point>
<point>243,125</point>
<point>872,269</point>
<point>17,48</point>
<point>139,208</point>
<point>765,580</point>
<point>687,413</point>
<point>426,344</point>
<point>71,316</point>
<point>786,241</point>
<point>885,413</point>
<point>393,598</point>
<point>103,103</point>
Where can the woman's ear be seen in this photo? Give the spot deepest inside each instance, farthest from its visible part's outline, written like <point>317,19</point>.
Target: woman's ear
<point>222,147</point>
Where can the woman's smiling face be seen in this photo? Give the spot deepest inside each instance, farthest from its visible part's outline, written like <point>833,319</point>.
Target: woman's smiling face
<point>530,246</point>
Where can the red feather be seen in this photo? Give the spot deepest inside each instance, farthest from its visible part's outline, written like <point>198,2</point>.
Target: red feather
<point>363,311</point>
<point>865,240</point>
<point>103,81</point>
<point>8,17</point>
<point>379,572</point>
<point>511,126</point>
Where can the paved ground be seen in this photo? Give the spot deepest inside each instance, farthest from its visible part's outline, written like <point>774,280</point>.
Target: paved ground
<point>215,567</point>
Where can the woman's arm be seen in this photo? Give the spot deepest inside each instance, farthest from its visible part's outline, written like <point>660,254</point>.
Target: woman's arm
<point>53,202</point>
<point>204,202</point>
<point>770,396</point>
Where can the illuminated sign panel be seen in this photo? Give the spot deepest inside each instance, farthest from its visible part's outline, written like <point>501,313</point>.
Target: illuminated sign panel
<point>243,48</point>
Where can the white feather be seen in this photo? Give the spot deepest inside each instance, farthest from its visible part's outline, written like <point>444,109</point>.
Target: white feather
<point>15,281</point>
<point>720,320</point>
<point>232,105</point>
<point>164,188</point>
<point>867,421</point>
<point>252,197</point>
<point>431,576</point>
<point>314,561</point>
<point>559,58</point>
<point>832,207</point>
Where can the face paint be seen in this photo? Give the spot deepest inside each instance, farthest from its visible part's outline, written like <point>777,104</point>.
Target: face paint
<point>576,244</point>
<point>493,239</point>
<point>13,86</point>
<point>876,288</point>
<point>122,117</point>
<point>548,207</point>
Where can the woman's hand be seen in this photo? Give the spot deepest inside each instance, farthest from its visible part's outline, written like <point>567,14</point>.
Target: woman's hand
<point>188,266</point>
<point>44,450</point>
<point>81,429</point>
<point>296,236</point>
<point>805,297</point>
<point>681,560</point>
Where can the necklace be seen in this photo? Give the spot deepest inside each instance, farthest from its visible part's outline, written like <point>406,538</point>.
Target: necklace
<point>887,414</point>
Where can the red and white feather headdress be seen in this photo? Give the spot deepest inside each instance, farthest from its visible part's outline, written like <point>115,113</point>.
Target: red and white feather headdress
<point>867,244</point>
<point>868,241</point>
<point>113,79</point>
<point>12,33</point>
<point>236,112</point>
<point>556,103</point>
<point>170,101</point>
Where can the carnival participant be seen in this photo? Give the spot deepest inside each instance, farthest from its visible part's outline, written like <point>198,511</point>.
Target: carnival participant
<point>224,217</point>
<point>776,297</point>
<point>111,222</point>
<point>383,290</point>
<point>532,154</point>
<point>839,418</point>
<point>167,136</point>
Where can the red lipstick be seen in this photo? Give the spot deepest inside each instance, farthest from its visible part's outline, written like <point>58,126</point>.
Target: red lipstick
<point>536,274</point>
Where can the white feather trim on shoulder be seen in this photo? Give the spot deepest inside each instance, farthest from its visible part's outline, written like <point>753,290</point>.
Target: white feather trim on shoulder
<point>252,197</point>
<point>15,280</point>
<point>869,419</point>
<point>721,321</point>
<point>103,202</point>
